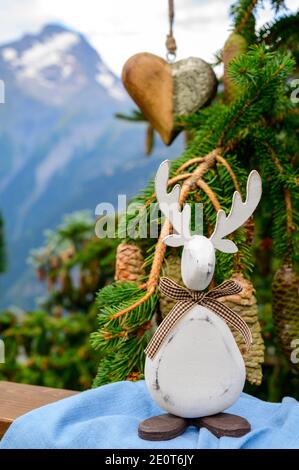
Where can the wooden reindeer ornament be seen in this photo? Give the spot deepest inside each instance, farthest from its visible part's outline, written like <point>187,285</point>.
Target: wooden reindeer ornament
<point>194,369</point>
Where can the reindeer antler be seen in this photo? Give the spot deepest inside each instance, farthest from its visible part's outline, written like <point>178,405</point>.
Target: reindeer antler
<point>170,207</point>
<point>239,213</point>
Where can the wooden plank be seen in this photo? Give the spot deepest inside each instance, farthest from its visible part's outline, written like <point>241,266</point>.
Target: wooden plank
<point>18,399</point>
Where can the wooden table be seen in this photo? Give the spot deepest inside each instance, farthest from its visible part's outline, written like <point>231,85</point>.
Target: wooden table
<point>18,399</point>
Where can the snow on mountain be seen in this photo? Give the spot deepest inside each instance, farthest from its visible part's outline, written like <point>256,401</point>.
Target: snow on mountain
<point>42,55</point>
<point>58,56</point>
<point>106,79</point>
<point>9,54</point>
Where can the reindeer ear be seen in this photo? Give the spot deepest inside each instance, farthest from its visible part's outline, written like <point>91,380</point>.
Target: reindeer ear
<point>174,240</point>
<point>226,246</point>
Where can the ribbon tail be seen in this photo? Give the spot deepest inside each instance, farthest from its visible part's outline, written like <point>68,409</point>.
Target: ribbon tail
<point>225,289</point>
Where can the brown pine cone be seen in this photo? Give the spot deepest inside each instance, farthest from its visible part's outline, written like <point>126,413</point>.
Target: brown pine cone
<point>234,46</point>
<point>65,281</point>
<point>41,273</point>
<point>285,300</point>
<point>171,269</point>
<point>67,254</point>
<point>129,262</point>
<point>245,305</point>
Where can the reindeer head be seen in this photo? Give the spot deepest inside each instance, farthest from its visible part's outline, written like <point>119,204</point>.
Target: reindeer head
<point>198,257</point>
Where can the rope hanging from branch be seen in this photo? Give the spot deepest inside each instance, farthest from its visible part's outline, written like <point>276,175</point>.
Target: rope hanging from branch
<point>207,162</point>
<point>170,40</point>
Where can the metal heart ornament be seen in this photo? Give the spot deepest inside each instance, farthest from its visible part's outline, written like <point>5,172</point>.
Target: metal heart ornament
<point>164,91</point>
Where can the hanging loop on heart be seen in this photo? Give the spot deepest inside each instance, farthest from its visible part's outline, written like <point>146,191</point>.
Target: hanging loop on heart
<point>165,89</point>
<point>170,56</point>
<point>170,40</point>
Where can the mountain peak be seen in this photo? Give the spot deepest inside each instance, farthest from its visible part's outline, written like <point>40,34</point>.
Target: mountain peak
<point>56,64</point>
<point>54,28</point>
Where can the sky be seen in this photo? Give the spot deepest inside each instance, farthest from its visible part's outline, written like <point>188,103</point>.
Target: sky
<point>121,28</point>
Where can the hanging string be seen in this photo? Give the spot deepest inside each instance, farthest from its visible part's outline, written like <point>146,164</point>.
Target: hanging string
<point>170,41</point>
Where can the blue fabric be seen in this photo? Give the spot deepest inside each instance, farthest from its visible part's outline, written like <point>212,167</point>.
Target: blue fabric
<point>108,417</point>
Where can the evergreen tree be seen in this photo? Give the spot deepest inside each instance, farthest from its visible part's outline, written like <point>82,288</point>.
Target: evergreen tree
<point>51,346</point>
<point>252,124</point>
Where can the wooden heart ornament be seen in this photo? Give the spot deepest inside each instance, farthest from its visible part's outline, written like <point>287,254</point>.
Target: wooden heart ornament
<point>165,91</point>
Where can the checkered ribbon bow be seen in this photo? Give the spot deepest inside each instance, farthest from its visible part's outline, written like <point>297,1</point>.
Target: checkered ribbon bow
<point>186,299</point>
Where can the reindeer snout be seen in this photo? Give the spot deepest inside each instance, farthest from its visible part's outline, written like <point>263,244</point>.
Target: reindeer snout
<point>198,263</point>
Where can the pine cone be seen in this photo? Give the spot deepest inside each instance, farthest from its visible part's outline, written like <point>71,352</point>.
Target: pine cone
<point>129,262</point>
<point>57,311</point>
<point>41,273</point>
<point>245,305</point>
<point>67,254</point>
<point>65,281</point>
<point>234,46</point>
<point>54,262</point>
<point>286,308</point>
<point>171,269</point>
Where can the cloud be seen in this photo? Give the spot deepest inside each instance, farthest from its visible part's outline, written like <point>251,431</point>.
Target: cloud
<point>119,28</point>
<point>19,17</point>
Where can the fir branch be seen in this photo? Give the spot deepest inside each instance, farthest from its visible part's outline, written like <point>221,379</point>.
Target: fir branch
<point>262,75</point>
<point>280,178</point>
<point>242,129</point>
<point>135,116</point>
<point>242,13</point>
<point>282,33</point>
<point>278,5</point>
<point>121,341</point>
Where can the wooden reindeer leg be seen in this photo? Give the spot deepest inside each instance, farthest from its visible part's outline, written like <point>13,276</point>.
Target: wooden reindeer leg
<point>224,424</point>
<point>168,426</point>
<point>162,428</point>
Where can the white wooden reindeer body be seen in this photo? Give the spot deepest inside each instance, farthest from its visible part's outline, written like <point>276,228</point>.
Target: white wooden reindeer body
<point>198,370</point>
